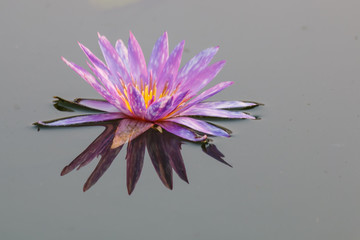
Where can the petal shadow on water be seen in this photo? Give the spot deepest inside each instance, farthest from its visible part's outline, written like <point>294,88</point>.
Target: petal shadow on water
<point>163,148</point>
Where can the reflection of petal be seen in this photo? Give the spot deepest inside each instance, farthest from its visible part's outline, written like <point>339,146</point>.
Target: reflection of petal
<point>129,129</point>
<point>159,157</point>
<point>106,159</point>
<point>134,161</point>
<point>212,151</point>
<point>173,147</point>
<point>93,150</point>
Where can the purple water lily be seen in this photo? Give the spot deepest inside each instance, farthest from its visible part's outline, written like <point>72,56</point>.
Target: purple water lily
<point>155,94</point>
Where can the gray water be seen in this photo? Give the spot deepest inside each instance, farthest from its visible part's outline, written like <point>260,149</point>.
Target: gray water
<point>296,172</point>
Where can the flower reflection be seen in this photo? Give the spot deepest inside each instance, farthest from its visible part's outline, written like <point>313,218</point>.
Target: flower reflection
<point>163,148</point>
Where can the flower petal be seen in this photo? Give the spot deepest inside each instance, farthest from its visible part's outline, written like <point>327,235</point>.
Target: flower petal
<point>227,104</point>
<point>181,131</point>
<point>170,70</point>
<point>113,60</point>
<point>81,120</point>
<point>199,125</point>
<point>136,101</point>
<point>134,161</point>
<point>205,76</point>
<point>97,104</point>
<point>122,50</point>
<point>220,113</point>
<point>192,68</point>
<point>203,96</point>
<point>137,62</point>
<point>128,130</point>
<point>157,109</point>
<point>159,56</point>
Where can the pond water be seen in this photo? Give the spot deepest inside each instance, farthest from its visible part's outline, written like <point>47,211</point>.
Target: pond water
<point>296,172</point>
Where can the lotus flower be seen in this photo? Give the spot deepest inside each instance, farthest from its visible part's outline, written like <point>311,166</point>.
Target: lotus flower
<point>157,94</point>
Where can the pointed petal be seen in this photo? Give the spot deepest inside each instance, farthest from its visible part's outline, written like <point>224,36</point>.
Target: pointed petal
<point>192,68</point>
<point>159,56</point>
<point>170,70</point>
<point>134,161</point>
<point>204,95</point>
<point>93,150</point>
<point>156,109</point>
<point>122,50</point>
<point>81,120</point>
<point>227,104</point>
<point>181,131</point>
<point>88,78</point>
<point>199,125</point>
<point>136,60</point>
<point>204,77</point>
<point>106,159</point>
<point>113,60</point>
<point>128,130</point>
<point>69,106</point>
<point>159,157</point>
<point>219,113</point>
<point>136,101</point>
<point>101,105</point>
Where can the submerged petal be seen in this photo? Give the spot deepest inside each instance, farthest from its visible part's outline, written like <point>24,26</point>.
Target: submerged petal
<point>128,130</point>
<point>199,125</point>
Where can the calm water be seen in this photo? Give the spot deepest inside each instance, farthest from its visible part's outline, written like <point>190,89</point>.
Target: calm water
<point>296,172</point>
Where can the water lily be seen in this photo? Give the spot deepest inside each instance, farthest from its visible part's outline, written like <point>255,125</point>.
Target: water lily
<point>155,94</point>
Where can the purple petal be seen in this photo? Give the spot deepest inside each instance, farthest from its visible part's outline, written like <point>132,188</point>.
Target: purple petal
<point>136,60</point>
<point>204,77</point>
<point>192,68</point>
<point>205,95</point>
<point>128,130</point>
<point>227,104</point>
<point>101,105</point>
<point>170,70</point>
<point>199,125</point>
<point>206,112</point>
<point>159,56</point>
<point>122,50</point>
<point>113,60</point>
<point>136,101</point>
<point>81,120</point>
<point>181,131</point>
<point>157,109</point>
<point>134,161</point>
